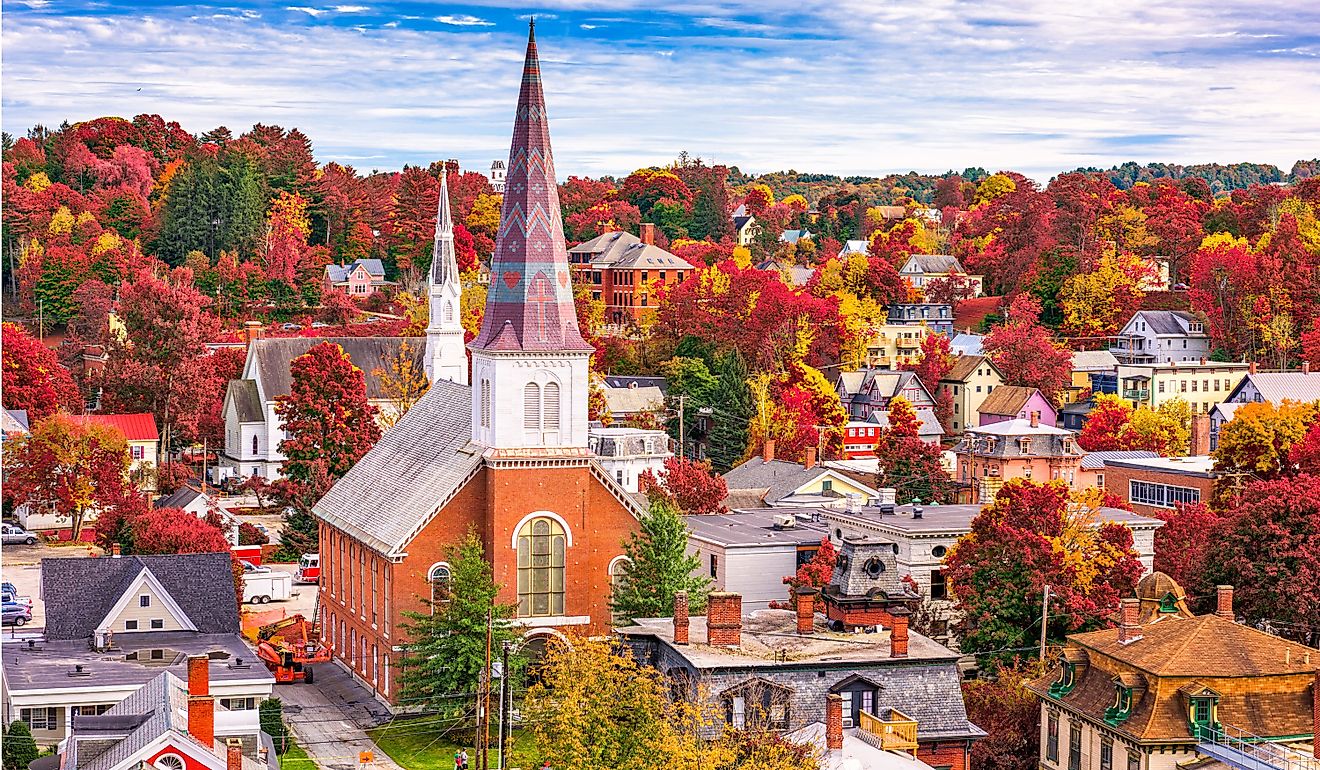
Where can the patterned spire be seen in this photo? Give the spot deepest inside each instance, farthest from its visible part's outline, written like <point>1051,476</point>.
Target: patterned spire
<point>530,302</point>
<point>444,262</point>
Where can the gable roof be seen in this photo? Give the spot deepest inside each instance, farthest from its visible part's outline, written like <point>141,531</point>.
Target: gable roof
<point>340,273</point>
<point>739,222</point>
<point>854,247</point>
<point>927,423</point>
<point>1275,387</point>
<point>1093,361</point>
<point>637,380</point>
<point>932,263</point>
<point>271,358</point>
<point>181,498</point>
<point>964,344</point>
<point>1169,321</point>
<point>634,400</point>
<point>1007,400</point>
<point>1093,461</point>
<point>964,366</point>
<point>247,402</point>
<point>135,427</point>
<point>79,592</point>
<point>15,421</point>
<point>780,478</point>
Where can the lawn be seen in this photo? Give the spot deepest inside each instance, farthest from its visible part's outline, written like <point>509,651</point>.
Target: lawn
<point>296,759</point>
<point>414,746</point>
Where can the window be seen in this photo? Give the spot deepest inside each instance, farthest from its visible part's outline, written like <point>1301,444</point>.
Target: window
<point>238,704</point>
<point>714,565</point>
<point>939,551</point>
<point>96,710</point>
<point>157,623</point>
<point>1160,386</point>
<point>1052,738</point>
<point>1100,481</point>
<point>541,549</point>
<point>1161,495</point>
<point>938,588</point>
<point>532,406</point>
<point>138,453</point>
<point>485,403</point>
<point>1182,386</point>
<point>144,600</point>
<point>1024,445</point>
<point>440,579</point>
<point>40,718</point>
<point>827,485</point>
<point>1134,760</point>
<point>170,762</point>
<point>254,445</point>
<point>1106,754</point>
<point>1074,746</point>
<point>130,625</point>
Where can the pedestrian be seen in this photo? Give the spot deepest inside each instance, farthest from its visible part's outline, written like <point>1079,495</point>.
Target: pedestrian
<point>464,758</point>
<point>458,760</point>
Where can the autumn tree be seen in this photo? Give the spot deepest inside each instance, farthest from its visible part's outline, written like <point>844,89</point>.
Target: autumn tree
<point>815,573</point>
<point>72,466</point>
<point>658,566</point>
<point>1182,544</point>
<point>1099,301</point>
<point>173,530</point>
<point>935,363</point>
<point>1259,437</point>
<point>1024,353</point>
<point>34,380</point>
<point>1001,704</point>
<point>402,384</point>
<point>1114,425</point>
<point>688,485</point>
<point>908,465</point>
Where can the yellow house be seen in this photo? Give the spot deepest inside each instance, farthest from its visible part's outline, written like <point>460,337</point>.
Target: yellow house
<point>765,481</point>
<point>1201,384</point>
<point>971,379</point>
<point>895,344</point>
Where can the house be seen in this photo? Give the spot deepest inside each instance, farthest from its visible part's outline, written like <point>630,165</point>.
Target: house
<point>928,425</point>
<point>1093,370</point>
<point>360,278</point>
<point>859,436</point>
<point>114,624</point>
<point>854,247</point>
<point>751,550</point>
<point>14,423</point>
<point>1014,402</point>
<point>789,273</point>
<point>1155,485</point>
<point>1200,383</point>
<point>190,500</point>
<point>633,402</point>
<point>765,481</point>
<point>966,344</point>
<point>1172,690</point>
<point>1257,387</point>
<point>920,269</point>
<point>1073,416</point>
<point>1151,336</point>
<point>893,345</point>
<point>507,456</point>
<point>637,380</point>
<point>143,442</point>
<point>869,390</point>
<point>1092,470</point>
<point>990,455</point>
<point>969,382</point>
<point>776,668</point>
<point>793,236</point>
<point>624,270</point>
<point>936,317</point>
<point>627,453</point>
<point>253,431</point>
<point>745,227</point>
<point>497,176</point>
<point>168,724</point>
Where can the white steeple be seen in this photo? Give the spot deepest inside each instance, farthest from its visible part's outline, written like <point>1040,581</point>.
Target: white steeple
<point>446,358</point>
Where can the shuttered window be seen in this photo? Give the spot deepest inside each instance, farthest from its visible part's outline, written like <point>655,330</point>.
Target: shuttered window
<point>550,396</point>
<point>485,403</point>
<point>532,406</point>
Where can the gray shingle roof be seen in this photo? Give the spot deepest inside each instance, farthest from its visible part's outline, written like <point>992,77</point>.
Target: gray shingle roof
<point>156,707</point>
<point>1168,321</point>
<point>934,263</point>
<point>640,380</point>
<point>178,498</point>
<point>620,249</point>
<point>963,366</point>
<point>623,401</point>
<point>78,593</point>
<point>246,400</point>
<point>273,357</point>
<point>778,477</point>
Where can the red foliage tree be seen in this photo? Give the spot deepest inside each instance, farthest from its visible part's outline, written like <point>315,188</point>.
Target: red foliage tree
<point>1009,713</point>
<point>174,530</point>
<point>33,378</point>
<point>1104,427</point>
<point>816,573</point>
<point>689,485</point>
<point>1182,543</point>
<point>1022,350</point>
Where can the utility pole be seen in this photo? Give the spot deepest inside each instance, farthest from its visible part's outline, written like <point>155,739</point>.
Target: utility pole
<point>504,697</point>
<point>484,736</point>
<point>1044,620</point>
<point>682,434</point>
<point>204,464</point>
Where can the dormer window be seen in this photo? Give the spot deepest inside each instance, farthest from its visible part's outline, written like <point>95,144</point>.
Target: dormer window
<point>1196,328</point>
<point>1024,445</point>
<point>1124,698</point>
<point>1169,603</point>
<point>1067,678</point>
<point>1202,710</point>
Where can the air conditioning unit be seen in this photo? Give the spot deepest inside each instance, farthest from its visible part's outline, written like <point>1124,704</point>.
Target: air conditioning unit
<point>785,521</point>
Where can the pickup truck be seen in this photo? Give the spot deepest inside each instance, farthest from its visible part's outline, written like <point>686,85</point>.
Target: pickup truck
<point>12,533</point>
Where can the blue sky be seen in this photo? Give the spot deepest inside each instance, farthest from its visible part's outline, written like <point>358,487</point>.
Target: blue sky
<point>834,86</point>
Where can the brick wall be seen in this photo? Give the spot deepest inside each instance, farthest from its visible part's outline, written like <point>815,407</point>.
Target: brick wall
<point>952,754</point>
<point>1117,478</point>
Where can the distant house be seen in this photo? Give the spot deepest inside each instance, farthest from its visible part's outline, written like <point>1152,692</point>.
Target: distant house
<point>361,278</point>
<point>1074,416</point>
<point>497,176</point>
<point>627,453</point>
<point>1013,402</point>
<point>764,481</point>
<point>14,423</point>
<point>990,455</point>
<point>1161,336</point>
<point>1202,384</point>
<point>1093,370</point>
<point>1257,387</point>
<point>143,442</point>
<point>745,226</point>
<point>937,317</point>
<point>965,344</point>
<point>895,344</point>
<point>868,390</point>
<point>189,500</point>
<point>750,550</point>
<point>637,381</point>
<point>928,425</point>
<point>622,271</point>
<point>859,436</point>
<point>794,275</point>
<point>921,269</point>
<point>793,236</point>
<point>1155,485</point>
<point>968,383</point>
<point>633,401</point>
<point>854,247</point>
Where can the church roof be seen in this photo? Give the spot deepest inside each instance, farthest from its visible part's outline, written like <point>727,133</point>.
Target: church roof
<point>530,304</point>
<point>273,357</point>
<point>444,262</point>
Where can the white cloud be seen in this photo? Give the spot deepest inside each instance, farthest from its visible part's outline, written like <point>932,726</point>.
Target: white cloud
<point>464,20</point>
<point>589,26</point>
<point>313,12</point>
<point>349,8</point>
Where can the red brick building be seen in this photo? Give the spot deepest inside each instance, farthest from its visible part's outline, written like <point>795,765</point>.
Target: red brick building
<point>505,456</point>
<point>1154,485</point>
<point>623,269</point>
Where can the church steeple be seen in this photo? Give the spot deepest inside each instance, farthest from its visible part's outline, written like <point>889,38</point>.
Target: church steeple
<point>529,363</point>
<point>445,357</point>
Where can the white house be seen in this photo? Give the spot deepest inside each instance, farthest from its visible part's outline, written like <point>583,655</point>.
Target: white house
<point>751,550</point>
<point>1160,336</point>
<point>627,453</point>
<point>1274,387</point>
<point>921,269</point>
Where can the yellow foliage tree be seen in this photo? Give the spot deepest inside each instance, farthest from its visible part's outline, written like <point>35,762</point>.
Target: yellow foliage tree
<point>742,257</point>
<point>485,214</point>
<point>1125,226</point>
<point>61,222</point>
<point>472,306</point>
<point>1168,427</point>
<point>1260,434</point>
<point>416,311</point>
<point>1095,303</point>
<point>796,201</point>
<point>994,186</point>
<point>402,382</point>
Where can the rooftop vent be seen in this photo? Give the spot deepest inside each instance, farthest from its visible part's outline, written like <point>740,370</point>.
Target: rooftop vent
<point>78,671</point>
<point>785,521</point>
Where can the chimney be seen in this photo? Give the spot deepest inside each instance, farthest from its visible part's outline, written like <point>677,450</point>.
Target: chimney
<point>1203,361</point>
<point>768,450</point>
<point>834,722</point>
<point>898,635</point>
<point>1200,435</point>
<point>233,754</point>
<point>1224,602</point>
<point>263,755</point>
<point>724,619</point>
<point>1129,629</point>
<point>1035,419</point>
<point>251,332</point>
<point>1306,369</point>
<point>811,458</point>
<point>201,706</point>
<point>116,550</point>
<point>648,233</point>
<point>806,609</point>
<point>680,617</point>
<point>1251,368</point>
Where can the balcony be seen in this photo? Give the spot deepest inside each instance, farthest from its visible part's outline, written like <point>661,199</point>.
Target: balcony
<point>896,731</point>
<point>1243,751</point>
<point>1136,394</point>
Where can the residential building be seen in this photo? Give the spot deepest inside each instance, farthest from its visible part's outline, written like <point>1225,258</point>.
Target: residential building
<point>190,500</point>
<point>1092,470</point>
<point>1202,384</point>
<point>870,390</point>
<point>745,227</point>
<point>775,669</point>
<point>968,383</point>
<point>1152,336</point>
<point>921,269</point>
<point>624,271</point>
<point>627,453</point>
<point>859,436</point>
<point>1258,387</point>
<point>990,455</point>
<point>497,176</point>
<point>791,274</point>
<point>637,380</point>
<point>143,442</point>
<point>751,550</point>
<point>1073,416</point>
<point>507,457</point>
<point>1155,485</point>
<point>1014,402</point>
<point>360,278</point>
<point>935,317</point>
<point>633,402</point>
<point>766,482</point>
<point>893,345</point>
<point>253,431</point>
<point>1093,370</point>
<point>854,247</point>
<point>114,624</point>
<point>793,236</point>
<point>1170,690</point>
<point>840,748</point>
<point>966,344</point>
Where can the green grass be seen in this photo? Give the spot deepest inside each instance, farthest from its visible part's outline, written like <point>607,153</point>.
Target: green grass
<point>413,746</point>
<point>296,759</point>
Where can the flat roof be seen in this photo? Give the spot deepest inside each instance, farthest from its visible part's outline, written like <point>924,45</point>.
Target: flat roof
<point>1195,465</point>
<point>752,527</point>
<point>954,518</point>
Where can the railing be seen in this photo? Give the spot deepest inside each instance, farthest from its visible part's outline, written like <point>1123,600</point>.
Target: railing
<point>1240,749</point>
<point>898,732</point>
<point>1136,395</point>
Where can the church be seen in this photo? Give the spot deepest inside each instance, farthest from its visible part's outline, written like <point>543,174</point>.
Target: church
<point>504,452</point>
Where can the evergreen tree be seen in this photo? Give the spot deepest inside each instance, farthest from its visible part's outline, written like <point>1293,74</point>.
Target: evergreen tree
<point>705,219</point>
<point>19,747</point>
<point>446,650</point>
<point>192,203</point>
<point>658,566</point>
<point>271,714</point>
<point>733,409</point>
<point>242,222</point>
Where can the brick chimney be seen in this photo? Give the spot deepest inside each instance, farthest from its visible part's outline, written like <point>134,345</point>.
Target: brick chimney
<point>898,635</point>
<point>1251,368</point>
<point>806,609</point>
<point>1200,435</point>
<point>201,706</point>
<point>233,754</point>
<point>1306,369</point>
<point>768,450</point>
<point>116,550</point>
<point>251,332</point>
<point>811,458</point>
<point>680,617</point>
<point>1035,419</point>
<point>1224,602</point>
<point>834,722</point>
<point>648,233</point>
<point>724,619</point>
<point>1129,628</point>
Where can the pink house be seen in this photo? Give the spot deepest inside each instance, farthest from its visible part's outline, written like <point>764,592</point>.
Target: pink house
<point>361,278</point>
<point>1012,402</point>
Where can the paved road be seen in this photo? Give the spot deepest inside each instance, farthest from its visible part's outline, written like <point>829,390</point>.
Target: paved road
<point>329,718</point>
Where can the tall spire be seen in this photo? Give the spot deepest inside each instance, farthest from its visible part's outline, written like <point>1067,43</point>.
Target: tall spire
<point>530,301</point>
<point>444,260</point>
<point>446,358</point>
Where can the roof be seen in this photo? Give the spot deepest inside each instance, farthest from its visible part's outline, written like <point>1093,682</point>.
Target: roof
<point>779,478</point>
<point>625,250</point>
<point>339,273</point>
<point>856,753</point>
<point>247,401</point>
<point>1226,409</point>
<point>640,380</point>
<point>634,400</point>
<point>273,357</point>
<point>854,247</point>
<point>79,592</point>
<point>966,344</point>
<point>1169,321</point>
<point>927,423</point>
<point>1007,400</point>
<point>1093,361</point>
<point>135,427</point>
<point>850,382</point>
<point>755,527</point>
<point>1194,465</point>
<point>793,236</point>
<point>1019,427</point>
<point>1092,461</point>
<point>16,420</point>
<point>964,366</point>
<point>740,222</point>
<point>1275,387</point>
<point>933,263</point>
<point>955,519</point>
<point>181,498</point>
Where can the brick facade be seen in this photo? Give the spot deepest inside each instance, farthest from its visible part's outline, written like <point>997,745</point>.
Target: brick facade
<point>1117,478</point>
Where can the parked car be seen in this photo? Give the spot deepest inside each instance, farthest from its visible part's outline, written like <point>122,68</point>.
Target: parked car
<point>17,614</point>
<point>9,597</point>
<point>291,327</point>
<point>13,533</point>
<point>249,568</point>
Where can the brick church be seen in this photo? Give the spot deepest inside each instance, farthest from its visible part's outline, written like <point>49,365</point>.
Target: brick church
<point>505,453</point>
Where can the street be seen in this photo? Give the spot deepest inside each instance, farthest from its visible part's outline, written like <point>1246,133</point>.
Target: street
<point>328,719</point>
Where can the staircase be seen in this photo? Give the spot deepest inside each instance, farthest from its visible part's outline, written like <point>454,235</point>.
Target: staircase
<point>1242,750</point>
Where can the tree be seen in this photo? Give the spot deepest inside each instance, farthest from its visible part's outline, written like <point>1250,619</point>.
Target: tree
<point>71,466</point>
<point>1022,350</point>
<point>442,668</point>
<point>816,573</point>
<point>402,384</point>
<point>20,748</point>
<point>328,426</point>
<point>271,715</point>
<point>733,400</point>
<point>173,530</point>
<point>658,566</point>
<point>1106,423</point>
<point>1098,302</point>
<point>908,465</point>
<point>1031,536</point>
<point>33,377</point>
<point>1259,437</point>
<point>688,485</point>
<point>1182,543</point>
<point>1010,713</point>
<point>1115,425</point>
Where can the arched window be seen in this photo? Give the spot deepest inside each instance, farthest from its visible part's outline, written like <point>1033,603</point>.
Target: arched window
<point>449,312</point>
<point>170,762</point>
<point>254,444</point>
<point>618,575</point>
<point>441,580</point>
<point>550,406</point>
<point>541,545</point>
<point>532,407</point>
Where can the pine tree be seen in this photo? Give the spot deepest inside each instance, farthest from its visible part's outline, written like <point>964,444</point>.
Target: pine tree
<point>271,714</point>
<point>705,219</point>
<point>658,566</point>
<point>446,649</point>
<point>192,203</point>
<point>243,197</point>
<point>733,409</point>
<point>19,747</point>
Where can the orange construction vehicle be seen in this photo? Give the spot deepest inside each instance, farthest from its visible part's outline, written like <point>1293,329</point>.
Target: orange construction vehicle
<point>290,647</point>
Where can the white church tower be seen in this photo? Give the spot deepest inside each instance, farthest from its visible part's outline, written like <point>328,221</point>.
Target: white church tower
<point>446,358</point>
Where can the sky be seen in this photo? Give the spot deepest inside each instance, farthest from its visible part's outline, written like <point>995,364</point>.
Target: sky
<point>849,87</point>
